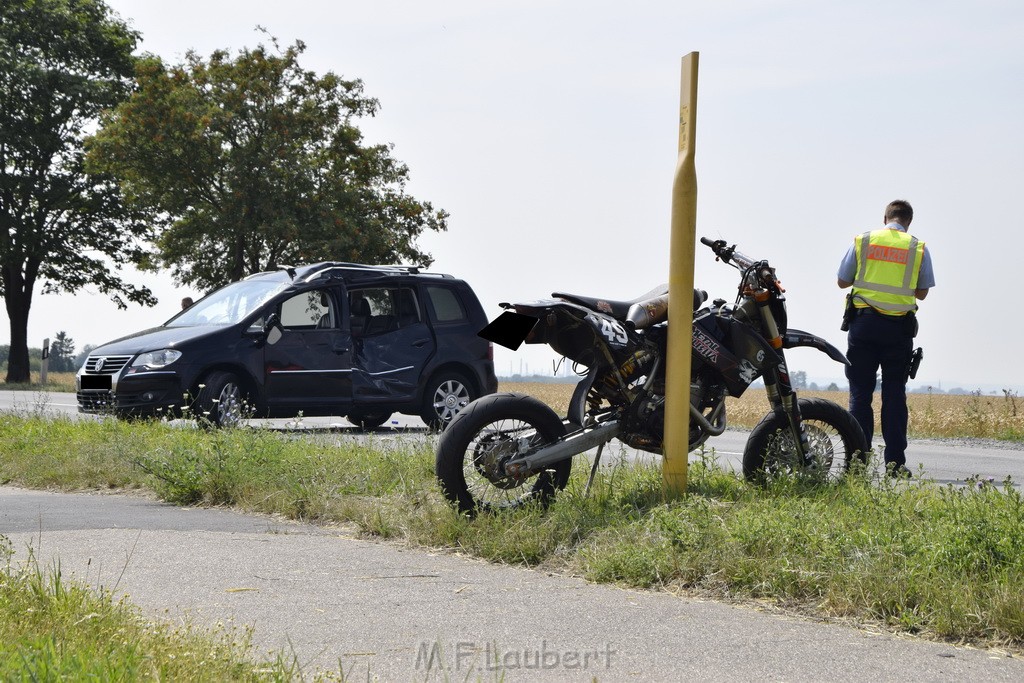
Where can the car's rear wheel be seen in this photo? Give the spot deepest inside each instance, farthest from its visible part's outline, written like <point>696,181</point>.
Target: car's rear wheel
<point>446,394</point>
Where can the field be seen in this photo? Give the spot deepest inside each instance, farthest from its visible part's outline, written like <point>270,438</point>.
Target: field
<point>55,381</point>
<point>931,415</point>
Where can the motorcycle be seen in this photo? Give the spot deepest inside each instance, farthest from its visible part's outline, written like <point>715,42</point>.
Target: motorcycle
<point>508,449</point>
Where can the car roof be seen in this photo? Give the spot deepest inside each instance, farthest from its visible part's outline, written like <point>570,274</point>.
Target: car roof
<point>347,272</point>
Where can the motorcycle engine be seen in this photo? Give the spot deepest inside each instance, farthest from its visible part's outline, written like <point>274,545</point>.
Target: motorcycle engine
<point>651,417</point>
<point>646,425</point>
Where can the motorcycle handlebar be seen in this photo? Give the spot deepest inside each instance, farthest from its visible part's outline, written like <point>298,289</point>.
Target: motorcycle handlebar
<point>727,253</point>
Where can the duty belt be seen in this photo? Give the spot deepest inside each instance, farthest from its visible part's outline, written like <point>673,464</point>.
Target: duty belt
<point>870,311</point>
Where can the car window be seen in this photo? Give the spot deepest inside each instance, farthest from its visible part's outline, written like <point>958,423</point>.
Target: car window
<point>308,310</point>
<point>379,310</point>
<point>228,305</point>
<point>446,304</point>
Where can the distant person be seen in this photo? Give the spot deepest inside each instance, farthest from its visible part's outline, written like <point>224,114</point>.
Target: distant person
<point>186,302</point>
<point>889,270</point>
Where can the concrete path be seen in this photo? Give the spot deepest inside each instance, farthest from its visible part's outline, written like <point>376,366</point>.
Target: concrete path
<point>394,614</point>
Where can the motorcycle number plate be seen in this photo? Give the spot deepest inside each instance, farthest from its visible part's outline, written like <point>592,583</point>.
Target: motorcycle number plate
<point>509,329</point>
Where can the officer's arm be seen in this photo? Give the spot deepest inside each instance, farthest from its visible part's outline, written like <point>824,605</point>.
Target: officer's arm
<point>920,293</point>
<point>843,284</point>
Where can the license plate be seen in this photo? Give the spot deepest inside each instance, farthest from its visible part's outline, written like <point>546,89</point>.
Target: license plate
<point>92,382</point>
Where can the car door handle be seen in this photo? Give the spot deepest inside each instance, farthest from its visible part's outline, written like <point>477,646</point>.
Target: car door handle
<point>341,349</point>
<point>420,343</point>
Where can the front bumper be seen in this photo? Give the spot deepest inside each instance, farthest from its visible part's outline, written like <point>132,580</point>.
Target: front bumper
<point>142,394</point>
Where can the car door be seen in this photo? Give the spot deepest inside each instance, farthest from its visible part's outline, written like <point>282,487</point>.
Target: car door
<point>391,343</point>
<point>310,366</point>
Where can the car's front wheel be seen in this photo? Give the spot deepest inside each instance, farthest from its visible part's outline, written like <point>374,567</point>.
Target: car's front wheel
<point>446,394</point>
<point>221,400</point>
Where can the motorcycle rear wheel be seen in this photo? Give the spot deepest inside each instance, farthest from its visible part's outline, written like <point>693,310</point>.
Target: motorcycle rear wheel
<point>833,434</point>
<point>473,448</point>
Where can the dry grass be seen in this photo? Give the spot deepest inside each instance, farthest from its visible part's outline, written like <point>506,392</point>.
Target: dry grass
<point>931,415</point>
<point>55,381</point>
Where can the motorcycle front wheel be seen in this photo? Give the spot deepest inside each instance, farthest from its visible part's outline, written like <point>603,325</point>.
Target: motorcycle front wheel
<point>833,435</point>
<point>482,437</point>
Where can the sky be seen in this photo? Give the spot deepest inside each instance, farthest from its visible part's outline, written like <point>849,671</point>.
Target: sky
<point>548,130</point>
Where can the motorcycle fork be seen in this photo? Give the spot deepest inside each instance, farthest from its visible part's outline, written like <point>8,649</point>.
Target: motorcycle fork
<point>781,393</point>
<point>782,397</point>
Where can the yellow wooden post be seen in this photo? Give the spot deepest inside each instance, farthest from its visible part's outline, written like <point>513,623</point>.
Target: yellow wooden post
<point>680,289</point>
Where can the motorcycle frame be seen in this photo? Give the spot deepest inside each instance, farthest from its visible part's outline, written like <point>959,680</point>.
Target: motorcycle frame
<point>753,295</point>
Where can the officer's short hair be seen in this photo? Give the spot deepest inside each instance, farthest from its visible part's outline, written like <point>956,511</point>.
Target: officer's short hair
<point>899,210</point>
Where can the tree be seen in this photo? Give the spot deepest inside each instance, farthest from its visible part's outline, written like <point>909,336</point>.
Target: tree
<point>62,353</point>
<point>83,355</point>
<point>257,163</point>
<point>61,63</point>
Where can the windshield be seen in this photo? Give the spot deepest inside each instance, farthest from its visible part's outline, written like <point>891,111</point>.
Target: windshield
<point>228,305</point>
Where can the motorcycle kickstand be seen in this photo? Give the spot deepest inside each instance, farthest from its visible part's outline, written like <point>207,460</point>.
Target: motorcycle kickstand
<point>593,470</point>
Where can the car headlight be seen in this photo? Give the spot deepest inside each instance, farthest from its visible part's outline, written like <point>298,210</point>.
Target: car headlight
<point>157,359</point>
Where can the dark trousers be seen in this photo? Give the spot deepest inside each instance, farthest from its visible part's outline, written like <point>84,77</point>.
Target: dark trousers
<point>880,341</point>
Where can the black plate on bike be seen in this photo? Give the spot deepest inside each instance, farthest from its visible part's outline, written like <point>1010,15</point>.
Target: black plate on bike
<point>510,329</point>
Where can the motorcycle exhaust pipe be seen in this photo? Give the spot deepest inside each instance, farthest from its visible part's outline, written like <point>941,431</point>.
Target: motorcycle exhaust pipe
<point>573,445</point>
<point>652,311</point>
<point>714,427</point>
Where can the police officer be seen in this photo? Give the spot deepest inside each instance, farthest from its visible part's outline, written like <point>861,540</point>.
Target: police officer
<point>889,269</point>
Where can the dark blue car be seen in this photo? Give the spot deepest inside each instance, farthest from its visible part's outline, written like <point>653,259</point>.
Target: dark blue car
<point>325,339</point>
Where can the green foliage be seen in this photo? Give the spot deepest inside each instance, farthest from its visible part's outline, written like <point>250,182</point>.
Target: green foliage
<point>35,361</point>
<point>207,467</point>
<point>258,162</point>
<point>62,353</point>
<point>61,63</point>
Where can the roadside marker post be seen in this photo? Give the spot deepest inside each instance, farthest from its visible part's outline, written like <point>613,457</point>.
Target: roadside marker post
<point>680,290</point>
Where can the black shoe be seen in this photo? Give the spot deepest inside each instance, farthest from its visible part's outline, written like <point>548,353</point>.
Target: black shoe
<point>898,471</point>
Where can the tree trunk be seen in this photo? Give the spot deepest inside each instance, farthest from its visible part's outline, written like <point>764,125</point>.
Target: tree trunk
<point>19,278</point>
<point>18,369</point>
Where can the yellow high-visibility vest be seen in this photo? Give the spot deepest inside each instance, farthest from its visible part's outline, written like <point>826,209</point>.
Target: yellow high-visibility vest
<point>888,264</point>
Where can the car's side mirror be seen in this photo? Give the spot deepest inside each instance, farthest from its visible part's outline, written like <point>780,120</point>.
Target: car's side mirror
<point>273,329</point>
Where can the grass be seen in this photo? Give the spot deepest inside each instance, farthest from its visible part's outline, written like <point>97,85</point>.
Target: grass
<point>52,630</point>
<point>55,381</point>
<point>943,561</point>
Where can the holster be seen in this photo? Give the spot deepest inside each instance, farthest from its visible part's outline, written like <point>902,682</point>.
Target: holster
<point>915,362</point>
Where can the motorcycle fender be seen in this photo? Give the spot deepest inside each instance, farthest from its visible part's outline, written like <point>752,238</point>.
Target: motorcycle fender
<point>578,403</point>
<point>794,338</point>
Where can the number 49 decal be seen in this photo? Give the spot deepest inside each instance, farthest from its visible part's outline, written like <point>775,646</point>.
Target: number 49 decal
<point>613,332</point>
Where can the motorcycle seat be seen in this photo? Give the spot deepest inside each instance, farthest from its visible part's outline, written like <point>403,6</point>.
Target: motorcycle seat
<point>616,309</point>
<point>620,309</point>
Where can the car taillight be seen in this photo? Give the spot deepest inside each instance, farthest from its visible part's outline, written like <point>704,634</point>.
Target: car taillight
<point>490,351</point>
